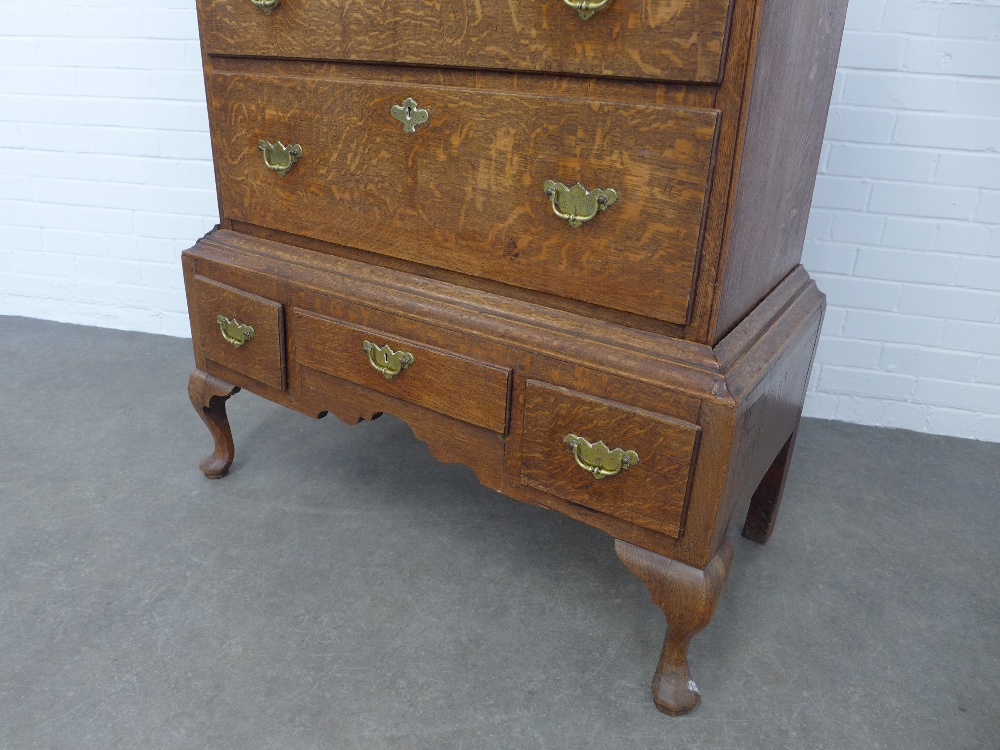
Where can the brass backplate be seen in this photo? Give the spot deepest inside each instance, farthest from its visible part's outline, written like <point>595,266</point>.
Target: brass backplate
<point>599,460</point>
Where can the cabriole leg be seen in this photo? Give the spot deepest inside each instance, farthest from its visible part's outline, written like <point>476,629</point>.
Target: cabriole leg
<point>767,498</point>
<point>687,597</point>
<point>208,395</point>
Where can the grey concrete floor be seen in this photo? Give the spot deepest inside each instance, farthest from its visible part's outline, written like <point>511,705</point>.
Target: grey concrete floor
<point>341,589</point>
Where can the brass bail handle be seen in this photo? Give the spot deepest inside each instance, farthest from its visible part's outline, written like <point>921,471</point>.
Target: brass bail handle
<point>267,6</point>
<point>586,8</point>
<point>385,360</point>
<point>278,157</point>
<point>599,460</point>
<point>233,331</point>
<point>576,204</point>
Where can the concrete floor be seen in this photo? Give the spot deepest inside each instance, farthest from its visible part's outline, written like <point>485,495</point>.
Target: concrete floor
<point>341,589</point>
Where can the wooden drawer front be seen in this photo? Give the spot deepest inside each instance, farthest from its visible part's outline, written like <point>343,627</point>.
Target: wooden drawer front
<point>652,493</point>
<point>676,40</point>
<point>440,381</point>
<point>262,357</point>
<point>465,190</point>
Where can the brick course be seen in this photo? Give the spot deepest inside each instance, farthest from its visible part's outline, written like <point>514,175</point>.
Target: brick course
<point>915,126</point>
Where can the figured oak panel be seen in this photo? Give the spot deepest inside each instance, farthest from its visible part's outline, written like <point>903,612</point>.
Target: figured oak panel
<point>676,40</point>
<point>263,356</point>
<point>471,391</point>
<point>652,493</point>
<point>464,192</point>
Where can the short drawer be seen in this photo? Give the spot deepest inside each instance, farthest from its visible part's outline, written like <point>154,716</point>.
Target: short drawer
<point>628,463</point>
<point>672,40</point>
<point>484,183</point>
<point>444,382</point>
<point>240,331</point>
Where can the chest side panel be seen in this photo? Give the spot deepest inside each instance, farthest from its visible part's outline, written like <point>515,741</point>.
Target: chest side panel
<point>797,46</point>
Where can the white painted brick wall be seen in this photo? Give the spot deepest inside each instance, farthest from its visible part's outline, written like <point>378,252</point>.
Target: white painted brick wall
<point>105,160</point>
<point>105,176</point>
<point>904,236</point>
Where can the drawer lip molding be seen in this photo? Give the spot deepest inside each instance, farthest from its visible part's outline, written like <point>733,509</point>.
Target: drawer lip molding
<point>465,191</point>
<point>450,384</point>
<point>665,40</point>
<point>262,357</point>
<point>655,489</point>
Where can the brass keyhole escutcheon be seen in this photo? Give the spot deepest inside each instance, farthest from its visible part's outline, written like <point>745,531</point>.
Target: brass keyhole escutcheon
<point>599,460</point>
<point>410,115</point>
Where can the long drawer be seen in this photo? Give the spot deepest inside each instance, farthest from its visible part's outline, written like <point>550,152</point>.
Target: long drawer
<point>675,40</point>
<point>467,180</point>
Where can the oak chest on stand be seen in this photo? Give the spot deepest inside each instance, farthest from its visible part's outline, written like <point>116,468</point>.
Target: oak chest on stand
<point>560,238</point>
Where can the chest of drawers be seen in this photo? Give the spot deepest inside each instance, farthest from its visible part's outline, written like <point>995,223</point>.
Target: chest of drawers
<point>560,238</point>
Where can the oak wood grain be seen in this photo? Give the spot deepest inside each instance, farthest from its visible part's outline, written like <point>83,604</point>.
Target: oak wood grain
<point>448,440</point>
<point>730,98</point>
<point>464,192</point>
<point>687,597</point>
<point>697,96</point>
<point>637,356</point>
<point>675,324</point>
<point>462,388</point>
<point>315,394</point>
<point>770,393</point>
<point>263,356</point>
<point>658,374</point>
<point>763,512</point>
<point>541,299</point>
<point>680,40</point>
<point>208,395</point>
<point>653,493</point>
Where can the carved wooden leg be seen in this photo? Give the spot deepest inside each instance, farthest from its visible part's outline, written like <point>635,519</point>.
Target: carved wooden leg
<point>767,497</point>
<point>208,395</point>
<point>687,597</point>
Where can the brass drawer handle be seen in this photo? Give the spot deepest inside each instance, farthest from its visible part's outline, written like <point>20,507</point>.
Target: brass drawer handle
<point>586,8</point>
<point>385,360</point>
<point>267,6</point>
<point>233,331</point>
<point>410,115</point>
<point>577,204</point>
<point>279,157</point>
<point>598,459</point>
